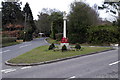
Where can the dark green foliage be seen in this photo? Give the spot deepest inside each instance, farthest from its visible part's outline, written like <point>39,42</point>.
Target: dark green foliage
<point>8,39</point>
<point>28,37</point>
<point>43,23</point>
<point>50,22</point>
<point>79,20</point>
<point>11,13</point>
<point>30,25</point>
<point>64,48</point>
<point>57,23</point>
<point>51,47</point>
<point>77,46</point>
<point>103,34</point>
<point>52,31</point>
<point>21,35</point>
<point>57,19</point>
<point>59,36</point>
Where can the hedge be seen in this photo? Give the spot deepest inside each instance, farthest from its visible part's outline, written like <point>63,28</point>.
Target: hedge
<point>8,39</point>
<point>103,34</point>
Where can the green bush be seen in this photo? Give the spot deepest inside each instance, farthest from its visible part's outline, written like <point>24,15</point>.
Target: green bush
<point>8,39</point>
<point>103,34</point>
<point>28,37</point>
<point>59,36</point>
<point>51,47</point>
<point>76,38</point>
<point>64,48</point>
<point>77,46</point>
<point>21,35</point>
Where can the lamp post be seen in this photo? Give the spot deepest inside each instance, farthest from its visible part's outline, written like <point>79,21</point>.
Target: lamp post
<point>64,40</point>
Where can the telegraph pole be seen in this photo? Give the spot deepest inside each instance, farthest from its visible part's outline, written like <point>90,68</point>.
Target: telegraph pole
<point>25,26</point>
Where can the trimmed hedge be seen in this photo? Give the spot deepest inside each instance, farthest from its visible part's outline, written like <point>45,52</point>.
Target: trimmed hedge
<point>8,39</point>
<point>103,34</point>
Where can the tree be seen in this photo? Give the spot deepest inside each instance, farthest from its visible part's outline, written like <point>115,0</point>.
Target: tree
<point>30,26</point>
<point>49,20</point>
<point>79,20</point>
<point>52,35</point>
<point>114,8</point>
<point>11,13</point>
<point>43,23</point>
<point>57,19</point>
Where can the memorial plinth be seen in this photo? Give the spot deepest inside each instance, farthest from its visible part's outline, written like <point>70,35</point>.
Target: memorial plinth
<point>64,41</point>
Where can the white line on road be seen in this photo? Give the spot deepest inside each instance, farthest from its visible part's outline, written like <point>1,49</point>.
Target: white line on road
<point>25,45</point>
<point>26,67</point>
<point>4,51</point>
<point>8,70</point>
<point>45,40</point>
<point>70,78</point>
<point>114,63</point>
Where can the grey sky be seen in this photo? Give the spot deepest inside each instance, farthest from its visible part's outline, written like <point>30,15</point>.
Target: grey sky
<point>62,5</point>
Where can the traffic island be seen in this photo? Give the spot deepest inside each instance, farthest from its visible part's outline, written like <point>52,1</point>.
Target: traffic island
<point>41,55</point>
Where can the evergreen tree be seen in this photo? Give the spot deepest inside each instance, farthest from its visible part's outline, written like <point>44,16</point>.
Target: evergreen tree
<point>30,27</point>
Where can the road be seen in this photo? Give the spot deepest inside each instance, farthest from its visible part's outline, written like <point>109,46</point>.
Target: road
<point>100,65</point>
<point>15,50</point>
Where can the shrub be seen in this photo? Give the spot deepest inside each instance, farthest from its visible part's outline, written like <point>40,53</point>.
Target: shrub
<point>59,36</point>
<point>64,48</point>
<point>8,39</point>
<point>21,35</point>
<point>103,34</point>
<point>74,37</point>
<point>51,47</point>
<point>77,46</point>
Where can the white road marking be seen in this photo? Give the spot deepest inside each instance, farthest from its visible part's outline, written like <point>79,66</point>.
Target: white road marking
<point>70,78</point>
<point>45,40</point>
<point>25,45</point>
<point>26,67</point>
<point>114,63</point>
<point>4,51</point>
<point>8,70</point>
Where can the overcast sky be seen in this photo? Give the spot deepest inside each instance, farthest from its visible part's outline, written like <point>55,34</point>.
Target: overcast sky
<point>62,5</point>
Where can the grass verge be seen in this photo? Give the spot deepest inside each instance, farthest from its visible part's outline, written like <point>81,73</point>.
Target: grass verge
<point>41,54</point>
<point>10,44</point>
<point>49,40</point>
